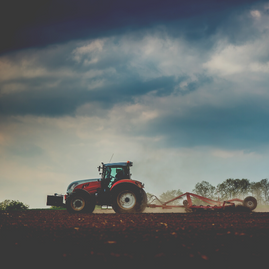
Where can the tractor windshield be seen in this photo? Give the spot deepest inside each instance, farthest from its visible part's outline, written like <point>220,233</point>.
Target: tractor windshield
<point>112,174</point>
<point>115,172</point>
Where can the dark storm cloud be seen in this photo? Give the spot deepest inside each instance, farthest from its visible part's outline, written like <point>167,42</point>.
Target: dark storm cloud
<point>240,126</point>
<point>142,68</point>
<point>43,100</point>
<point>31,23</point>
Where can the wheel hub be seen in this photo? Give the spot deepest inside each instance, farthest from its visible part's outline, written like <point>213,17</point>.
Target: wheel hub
<point>127,200</point>
<point>78,204</point>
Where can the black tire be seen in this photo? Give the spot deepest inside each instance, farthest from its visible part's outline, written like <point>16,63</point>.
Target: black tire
<point>80,203</point>
<point>128,198</point>
<point>144,201</point>
<point>250,202</point>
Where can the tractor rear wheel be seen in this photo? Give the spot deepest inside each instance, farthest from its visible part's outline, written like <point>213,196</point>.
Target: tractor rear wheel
<point>250,202</point>
<point>80,203</point>
<point>127,198</point>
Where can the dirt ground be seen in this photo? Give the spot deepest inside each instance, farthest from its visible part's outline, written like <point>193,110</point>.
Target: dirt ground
<point>50,239</point>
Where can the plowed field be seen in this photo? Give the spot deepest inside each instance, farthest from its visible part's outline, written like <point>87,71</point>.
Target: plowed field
<point>167,240</point>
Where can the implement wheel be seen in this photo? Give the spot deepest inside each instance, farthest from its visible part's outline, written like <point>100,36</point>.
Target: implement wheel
<point>250,202</point>
<point>127,198</point>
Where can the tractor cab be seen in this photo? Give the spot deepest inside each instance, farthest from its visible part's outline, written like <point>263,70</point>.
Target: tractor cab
<point>112,172</point>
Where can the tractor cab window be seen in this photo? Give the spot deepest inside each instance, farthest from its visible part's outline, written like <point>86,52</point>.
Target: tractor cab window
<point>112,174</point>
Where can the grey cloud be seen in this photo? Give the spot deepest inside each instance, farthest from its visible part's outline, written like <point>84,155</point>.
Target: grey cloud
<point>26,150</point>
<point>65,84</point>
<point>234,123</point>
<point>46,102</point>
<point>69,94</point>
<point>240,126</point>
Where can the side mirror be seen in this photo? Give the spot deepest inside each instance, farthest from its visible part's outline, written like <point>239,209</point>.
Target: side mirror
<point>99,168</point>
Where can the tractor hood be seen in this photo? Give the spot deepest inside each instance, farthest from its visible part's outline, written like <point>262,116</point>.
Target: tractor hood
<point>72,185</point>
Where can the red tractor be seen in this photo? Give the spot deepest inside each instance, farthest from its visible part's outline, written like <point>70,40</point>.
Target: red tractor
<point>115,188</point>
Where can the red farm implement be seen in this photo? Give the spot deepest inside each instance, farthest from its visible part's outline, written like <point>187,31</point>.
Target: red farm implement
<point>249,203</point>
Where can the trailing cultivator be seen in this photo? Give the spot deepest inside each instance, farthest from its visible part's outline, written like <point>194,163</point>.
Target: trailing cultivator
<point>248,204</point>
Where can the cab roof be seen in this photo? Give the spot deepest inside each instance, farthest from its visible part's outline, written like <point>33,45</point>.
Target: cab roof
<point>128,163</point>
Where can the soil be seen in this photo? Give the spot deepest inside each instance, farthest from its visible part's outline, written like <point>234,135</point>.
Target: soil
<point>54,238</point>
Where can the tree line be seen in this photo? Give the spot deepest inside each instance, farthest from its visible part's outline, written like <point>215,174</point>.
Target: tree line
<point>12,205</point>
<point>235,188</point>
<point>228,189</point>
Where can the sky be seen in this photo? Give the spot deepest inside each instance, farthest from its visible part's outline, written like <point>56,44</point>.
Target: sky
<point>180,88</point>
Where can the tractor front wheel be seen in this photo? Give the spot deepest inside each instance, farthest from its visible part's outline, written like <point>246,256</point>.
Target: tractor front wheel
<point>128,199</point>
<point>80,203</point>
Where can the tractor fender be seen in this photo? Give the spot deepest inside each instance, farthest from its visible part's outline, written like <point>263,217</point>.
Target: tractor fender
<point>90,187</point>
<point>127,182</point>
